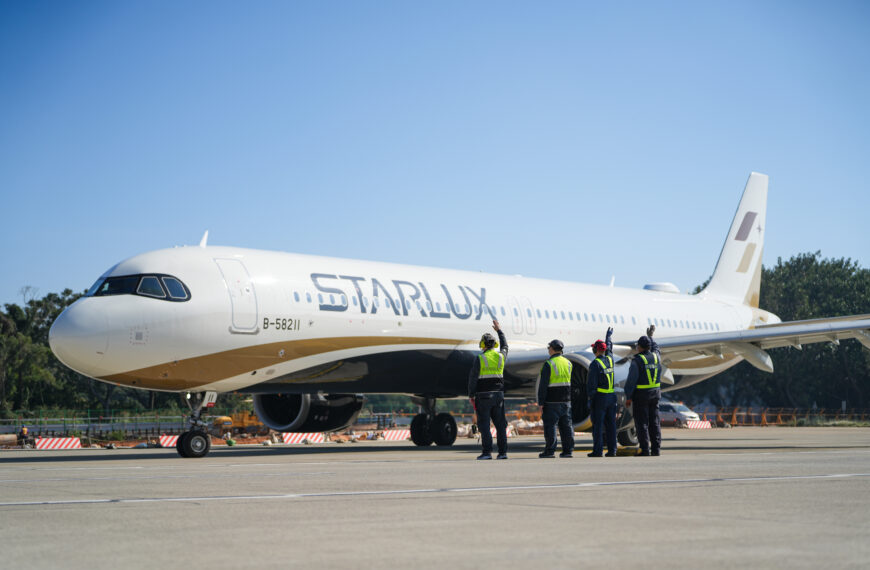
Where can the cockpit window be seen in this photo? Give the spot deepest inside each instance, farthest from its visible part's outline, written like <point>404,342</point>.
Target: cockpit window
<point>144,285</point>
<point>150,286</point>
<point>175,288</point>
<point>117,286</point>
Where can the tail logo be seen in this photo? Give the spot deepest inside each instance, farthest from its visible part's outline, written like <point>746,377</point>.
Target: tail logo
<point>746,226</point>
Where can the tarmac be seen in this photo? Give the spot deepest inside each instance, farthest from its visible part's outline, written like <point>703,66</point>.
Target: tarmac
<point>762,497</point>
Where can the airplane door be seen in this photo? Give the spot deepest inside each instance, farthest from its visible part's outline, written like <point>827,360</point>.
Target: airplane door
<point>243,298</point>
<point>516,315</point>
<point>529,315</point>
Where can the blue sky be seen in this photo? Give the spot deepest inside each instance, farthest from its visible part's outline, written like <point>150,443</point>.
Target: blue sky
<point>564,140</point>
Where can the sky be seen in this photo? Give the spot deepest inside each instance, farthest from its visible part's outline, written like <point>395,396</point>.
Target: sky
<point>579,141</point>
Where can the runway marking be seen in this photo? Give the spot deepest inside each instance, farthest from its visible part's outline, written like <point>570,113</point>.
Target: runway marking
<point>430,491</point>
<point>148,477</point>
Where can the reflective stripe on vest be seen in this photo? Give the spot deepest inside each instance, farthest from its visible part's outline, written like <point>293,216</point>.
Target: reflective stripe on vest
<point>652,377</point>
<point>560,371</point>
<point>491,364</point>
<point>608,373</point>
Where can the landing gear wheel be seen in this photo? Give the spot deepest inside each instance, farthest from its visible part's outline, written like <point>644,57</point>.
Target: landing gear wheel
<point>443,429</point>
<point>179,444</point>
<point>420,430</point>
<point>196,444</point>
<point>627,437</point>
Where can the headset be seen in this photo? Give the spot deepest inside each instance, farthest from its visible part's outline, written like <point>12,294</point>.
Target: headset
<point>488,341</point>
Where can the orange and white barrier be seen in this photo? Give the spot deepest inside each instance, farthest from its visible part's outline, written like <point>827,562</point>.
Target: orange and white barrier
<point>301,437</point>
<point>695,424</point>
<point>58,443</point>
<point>397,434</point>
<point>168,440</point>
<point>510,431</point>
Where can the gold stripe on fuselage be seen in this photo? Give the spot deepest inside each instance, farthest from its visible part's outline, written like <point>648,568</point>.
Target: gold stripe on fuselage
<point>190,373</point>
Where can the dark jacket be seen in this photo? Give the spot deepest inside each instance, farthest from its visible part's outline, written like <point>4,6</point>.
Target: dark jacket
<point>548,395</point>
<point>635,371</point>
<point>476,385</point>
<point>596,377</point>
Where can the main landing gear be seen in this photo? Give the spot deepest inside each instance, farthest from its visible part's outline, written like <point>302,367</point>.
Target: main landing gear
<point>428,427</point>
<point>196,442</point>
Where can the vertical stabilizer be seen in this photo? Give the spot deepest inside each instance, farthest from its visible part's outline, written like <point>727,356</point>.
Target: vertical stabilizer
<point>737,275</point>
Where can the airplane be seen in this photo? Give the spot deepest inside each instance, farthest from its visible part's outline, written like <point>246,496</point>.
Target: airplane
<point>309,336</point>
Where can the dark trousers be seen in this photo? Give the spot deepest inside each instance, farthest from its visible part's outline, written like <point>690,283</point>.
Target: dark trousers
<point>490,406</point>
<point>603,419</point>
<point>645,409</point>
<point>560,414</point>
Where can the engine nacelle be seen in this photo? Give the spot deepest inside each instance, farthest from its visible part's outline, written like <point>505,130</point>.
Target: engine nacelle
<point>308,412</point>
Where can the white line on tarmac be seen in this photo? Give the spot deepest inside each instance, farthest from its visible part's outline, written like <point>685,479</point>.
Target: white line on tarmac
<point>430,491</point>
<point>194,476</point>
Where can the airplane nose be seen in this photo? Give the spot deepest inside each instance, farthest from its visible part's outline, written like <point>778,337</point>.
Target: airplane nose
<point>79,337</point>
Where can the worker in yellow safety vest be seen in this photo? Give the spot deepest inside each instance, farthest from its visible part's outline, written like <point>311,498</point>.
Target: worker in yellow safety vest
<point>486,390</point>
<point>554,396</point>
<point>602,397</point>
<point>643,392</point>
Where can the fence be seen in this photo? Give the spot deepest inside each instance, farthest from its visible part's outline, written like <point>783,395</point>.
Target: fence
<point>743,416</point>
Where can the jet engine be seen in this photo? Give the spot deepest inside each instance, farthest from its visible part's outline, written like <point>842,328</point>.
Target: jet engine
<point>308,412</point>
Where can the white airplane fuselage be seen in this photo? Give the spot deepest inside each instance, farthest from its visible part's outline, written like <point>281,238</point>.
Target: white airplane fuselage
<point>255,320</point>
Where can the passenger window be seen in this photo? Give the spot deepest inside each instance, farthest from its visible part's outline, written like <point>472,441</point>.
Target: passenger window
<point>175,288</point>
<point>308,297</point>
<point>563,315</point>
<point>354,301</point>
<point>547,313</point>
<point>593,317</point>
<point>296,296</point>
<point>621,320</point>
<point>502,311</point>
<point>515,312</point>
<point>634,322</point>
<point>539,313</point>
<point>608,318</point>
<point>332,299</point>
<point>585,316</point>
<point>570,316</point>
<point>529,313</point>
<point>150,286</point>
<point>578,315</point>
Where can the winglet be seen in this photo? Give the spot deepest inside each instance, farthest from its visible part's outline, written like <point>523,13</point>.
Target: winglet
<point>204,241</point>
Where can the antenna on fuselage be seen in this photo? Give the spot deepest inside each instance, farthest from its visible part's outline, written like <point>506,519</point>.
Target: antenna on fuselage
<point>204,241</point>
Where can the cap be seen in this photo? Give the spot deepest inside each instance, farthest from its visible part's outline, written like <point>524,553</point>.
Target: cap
<point>599,345</point>
<point>643,342</point>
<point>556,345</point>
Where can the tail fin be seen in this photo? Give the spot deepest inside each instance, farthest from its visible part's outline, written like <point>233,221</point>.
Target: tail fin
<point>738,272</point>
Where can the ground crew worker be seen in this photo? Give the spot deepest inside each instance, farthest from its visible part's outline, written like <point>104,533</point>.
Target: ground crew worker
<point>554,396</point>
<point>22,436</point>
<point>602,398</point>
<point>643,392</point>
<point>486,390</point>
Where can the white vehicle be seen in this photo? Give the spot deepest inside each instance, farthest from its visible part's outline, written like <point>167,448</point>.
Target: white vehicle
<point>308,336</point>
<point>676,414</point>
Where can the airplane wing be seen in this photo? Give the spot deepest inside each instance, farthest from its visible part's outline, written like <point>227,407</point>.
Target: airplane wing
<point>752,343</point>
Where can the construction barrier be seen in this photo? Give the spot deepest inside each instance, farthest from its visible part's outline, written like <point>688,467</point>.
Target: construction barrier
<point>168,440</point>
<point>695,424</point>
<point>58,443</point>
<point>510,431</point>
<point>397,435</point>
<point>302,437</point>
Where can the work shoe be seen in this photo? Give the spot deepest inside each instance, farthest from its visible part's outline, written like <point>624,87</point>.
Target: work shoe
<point>593,455</point>
<point>546,455</point>
<point>610,454</point>
<point>656,452</point>
<point>566,454</point>
<point>484,456</point>
<point>501,456</point>
<point>644,453</point>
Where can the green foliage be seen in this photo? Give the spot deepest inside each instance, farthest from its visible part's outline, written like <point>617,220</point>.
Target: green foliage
<point>823,374</point>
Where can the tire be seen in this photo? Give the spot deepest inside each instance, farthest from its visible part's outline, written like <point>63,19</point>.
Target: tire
<point>196,444</point>
<point>627,437</point>
<point>443,430</point>
<point>179,444</point>
<point>420,430</point>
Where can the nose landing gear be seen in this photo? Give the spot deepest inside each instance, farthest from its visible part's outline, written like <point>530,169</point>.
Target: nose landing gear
<point>196,442</point>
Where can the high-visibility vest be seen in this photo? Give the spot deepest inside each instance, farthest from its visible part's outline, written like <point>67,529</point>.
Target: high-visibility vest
<point>491,364</point>
<point>652,372</point>
<point>560,371</point>
<point>608,373</point>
